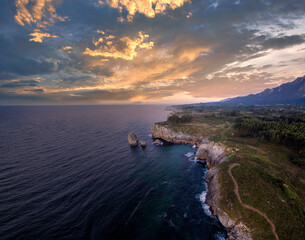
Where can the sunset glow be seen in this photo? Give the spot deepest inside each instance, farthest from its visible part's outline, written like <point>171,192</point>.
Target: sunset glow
<point>147,51</point>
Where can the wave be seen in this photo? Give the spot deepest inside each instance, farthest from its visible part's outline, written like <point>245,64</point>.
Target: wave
<point>202,198</point>
<point>189,154</point>
<point>206,207</point>
<point>220,236</point>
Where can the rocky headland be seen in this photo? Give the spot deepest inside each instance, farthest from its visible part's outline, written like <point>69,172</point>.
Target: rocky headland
<point>164,132</point>
<point>214,154</point>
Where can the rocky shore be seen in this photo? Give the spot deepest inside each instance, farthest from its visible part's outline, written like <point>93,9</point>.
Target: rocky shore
<point>214,154</point>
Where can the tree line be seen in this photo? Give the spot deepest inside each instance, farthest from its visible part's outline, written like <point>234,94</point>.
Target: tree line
<point>176,119</point>
<point>286,130</point>
<point>282,130</point>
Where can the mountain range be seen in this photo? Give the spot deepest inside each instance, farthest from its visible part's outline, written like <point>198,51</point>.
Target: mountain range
<point>288,93</point>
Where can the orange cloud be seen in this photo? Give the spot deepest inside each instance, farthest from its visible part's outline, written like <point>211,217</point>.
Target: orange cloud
<point>38,36</point>
<point>39,12</point>
<point>66,48</point>
<point>191,53</point>
<point>147,7</point>
<point>98,41</point>
<point>113,50</point>
<point>146,72</point>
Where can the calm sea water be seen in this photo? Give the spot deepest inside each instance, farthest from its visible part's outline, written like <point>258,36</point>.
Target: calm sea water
<point>68,173</point>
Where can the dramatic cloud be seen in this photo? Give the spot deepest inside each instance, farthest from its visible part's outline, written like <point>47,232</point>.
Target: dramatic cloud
<point>147,7</point>
<point>147,51</point>
<point>123,47</point>
<point>39,12</point>
<point>38,36</point>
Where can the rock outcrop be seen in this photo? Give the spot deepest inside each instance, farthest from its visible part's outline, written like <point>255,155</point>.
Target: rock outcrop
<point>158,142</point>
<point>213,153</point>
<point>132,139</point>
<point>164,132</point>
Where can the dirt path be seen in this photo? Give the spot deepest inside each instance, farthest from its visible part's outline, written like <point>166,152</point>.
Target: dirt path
<point>257,149</point>
<point>249,207</point>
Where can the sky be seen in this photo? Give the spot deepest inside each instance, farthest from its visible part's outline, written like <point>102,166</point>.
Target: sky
<point>147,51</point>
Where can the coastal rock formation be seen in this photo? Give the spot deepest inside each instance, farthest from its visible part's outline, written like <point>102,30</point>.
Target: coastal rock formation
<point>132,139</point>
<point>158,142</point>
<point>213,153</point>
<point>164,132</point>
<point>235,231</point>
<point>143,144</point>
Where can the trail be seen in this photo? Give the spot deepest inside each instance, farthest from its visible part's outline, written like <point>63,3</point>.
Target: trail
<point>257,149</point>
<point>249,207</point>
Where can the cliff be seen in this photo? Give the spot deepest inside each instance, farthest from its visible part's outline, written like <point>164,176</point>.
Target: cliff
<point>236,231</point>
<point>164,132</point>
<point>214,154</point>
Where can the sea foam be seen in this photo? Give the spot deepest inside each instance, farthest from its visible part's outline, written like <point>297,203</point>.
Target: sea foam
<point>206,207</point>
<point>189,154</point>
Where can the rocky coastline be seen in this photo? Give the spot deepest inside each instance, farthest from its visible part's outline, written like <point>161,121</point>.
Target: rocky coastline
<point>162,131</point>
<point>214,154</point>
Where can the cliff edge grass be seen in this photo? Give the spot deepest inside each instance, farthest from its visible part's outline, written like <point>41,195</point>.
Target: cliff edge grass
<point>266,179</point>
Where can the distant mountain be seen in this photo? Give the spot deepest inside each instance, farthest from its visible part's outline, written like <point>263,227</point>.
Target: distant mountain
<point>288,93</point>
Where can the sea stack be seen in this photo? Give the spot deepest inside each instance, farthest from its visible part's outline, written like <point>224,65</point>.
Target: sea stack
<point>132,139</point>
<point>143,144</point>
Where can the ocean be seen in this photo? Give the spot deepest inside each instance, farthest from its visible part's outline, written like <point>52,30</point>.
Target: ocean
<point>68,172</point>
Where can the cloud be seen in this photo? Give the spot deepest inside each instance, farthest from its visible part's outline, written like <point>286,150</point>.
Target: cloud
<point>37,90</point>
<point>38,36</point>
<point>20,58</point>
<point>38,12</point>
<point>101,71</point>
<point>191,53</point>
<point>283,42</point>
<point>147,7</point>
<point>66,48</point>
<point>220,50</point>
<point>20,84</point>
<point>124,47</point>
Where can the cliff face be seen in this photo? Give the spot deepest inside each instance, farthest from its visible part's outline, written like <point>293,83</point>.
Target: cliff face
<point>166,133</point>
<point>236,231</point>
<point>214,154</point>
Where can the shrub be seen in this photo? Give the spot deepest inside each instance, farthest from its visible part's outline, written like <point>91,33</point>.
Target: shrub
<point>176,119</point>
